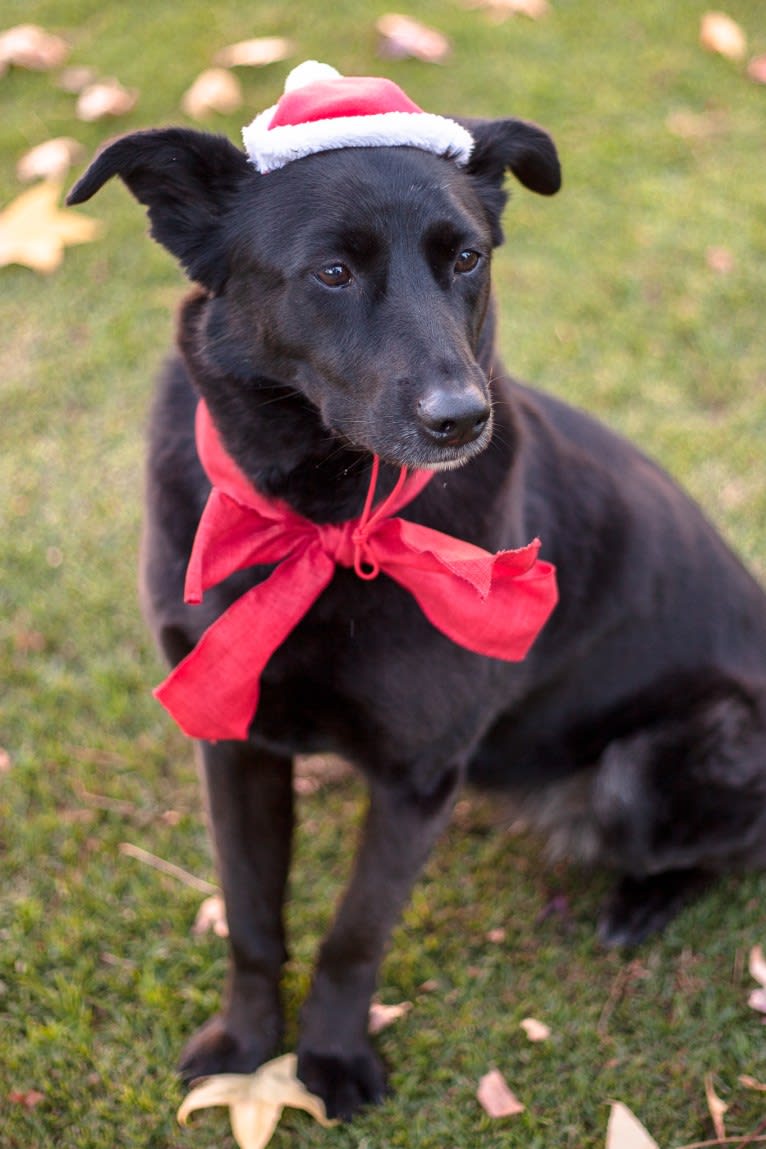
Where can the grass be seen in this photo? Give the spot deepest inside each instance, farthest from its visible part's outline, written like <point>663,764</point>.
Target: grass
<point>608,300</point>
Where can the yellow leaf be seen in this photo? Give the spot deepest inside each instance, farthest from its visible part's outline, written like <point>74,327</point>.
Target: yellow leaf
<point>256,1100</point>
<point>625,1131</point>
<point>34,231</point>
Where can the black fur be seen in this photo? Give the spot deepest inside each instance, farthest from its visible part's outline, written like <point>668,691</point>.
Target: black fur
<point>636,728</point>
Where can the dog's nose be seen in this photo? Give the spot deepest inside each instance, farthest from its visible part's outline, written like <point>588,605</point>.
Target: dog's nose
<point>452,418</point>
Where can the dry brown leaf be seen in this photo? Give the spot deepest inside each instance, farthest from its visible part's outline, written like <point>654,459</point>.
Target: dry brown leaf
<point>757,1000</point>
<point>211,916</point>
<point>29,1098</point>
<point>502,9</point>
<point>256,1100</point>
<point>34,230</point>
<point>381,1016</point>
<point>756,69</point>
<point>29,46</point>
<point>757,965</point>
<point>720,260</point>
<point>719,33</point>
<point>255,53</point>
<point>495,1098</point>
<point>50,160</point>
<point>752,1083</point>
<point>716,1107</point>
<point>73,80</point>
<point>625,1131</point>
<point>401,36</point>
<point>214,90</point>
<point>104,98</point>
<point>534,1029</point>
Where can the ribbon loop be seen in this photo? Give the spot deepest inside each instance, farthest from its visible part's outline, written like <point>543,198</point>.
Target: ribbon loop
<point>494,605</point>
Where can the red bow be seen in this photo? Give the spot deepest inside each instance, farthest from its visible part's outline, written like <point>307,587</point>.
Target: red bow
<point>492,604</point>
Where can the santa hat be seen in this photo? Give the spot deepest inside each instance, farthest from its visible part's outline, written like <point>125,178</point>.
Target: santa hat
<point>322,110</point>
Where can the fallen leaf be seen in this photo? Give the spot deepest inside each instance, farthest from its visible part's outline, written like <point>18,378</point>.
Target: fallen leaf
<point>29,1098</point>
<point>496,936</point>
<point>719,33</point>
<point>5,761</point>
<point>697,125</point>
<point>34,230</point>
<point>534,1029</point>
<point>502,9</point>
<point>757,1000</point>
<point>756,69</point>
<point>401,36</point>
<point>50,160</point>
<point>716,1107</point>
<point>495,1098</point>
<point>720,260</point>
<point>73,80</point>
<point>29,46</point>
<point>757,965</point>
<point>256,1100</point>
<point>255,53</point>
<point>214,90</point>
<point>625,1131</point>
<point>381,1016</point>
<point>752,1083</point>
<point>211,916</point>
<point>104,98</point>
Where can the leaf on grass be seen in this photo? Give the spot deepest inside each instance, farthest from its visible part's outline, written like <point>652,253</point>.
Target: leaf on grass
<point>534,1029</point>
<point>752,1083</point>
<point>381,1016</point>
<point>29,1098</point>
<point>73,80</point>
<point>756,69</point>
<point>495,1098</point>
<point>214,90</point>
<point>757,1000</point>
<point>625,1131</point>
<point>104,98</point>
<point>5,761</point>
<point>502,9</point>
<point>719,33</point>
<point>697,125</point>
<point>720,260</point>
<point>256,1100</point>
<point>34,230</point>
<point>401,36</point>
<point>757,965</point>
<point>255,53</point>
<point>29,46</point>
<point>50,160</point>
<point>716,1107</point>
<point>211,916</point>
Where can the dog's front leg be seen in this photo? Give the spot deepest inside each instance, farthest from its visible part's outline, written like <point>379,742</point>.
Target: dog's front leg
<point>250,813</point>
<point>335,1057</point>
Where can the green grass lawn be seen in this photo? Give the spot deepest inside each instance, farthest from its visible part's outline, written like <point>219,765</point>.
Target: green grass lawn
<point>609,299</point>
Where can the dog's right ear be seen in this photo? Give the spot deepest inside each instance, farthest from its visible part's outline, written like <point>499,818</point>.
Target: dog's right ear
<point>186,179</point>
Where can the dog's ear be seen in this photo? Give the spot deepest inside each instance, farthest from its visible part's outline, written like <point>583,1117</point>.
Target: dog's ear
<point>186,179</point>
<point>510,145</point>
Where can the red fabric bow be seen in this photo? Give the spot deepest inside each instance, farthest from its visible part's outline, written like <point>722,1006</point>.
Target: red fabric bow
<point>492,604</point>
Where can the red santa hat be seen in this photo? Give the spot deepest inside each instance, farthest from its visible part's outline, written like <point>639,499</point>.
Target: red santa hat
<point>322,110</point>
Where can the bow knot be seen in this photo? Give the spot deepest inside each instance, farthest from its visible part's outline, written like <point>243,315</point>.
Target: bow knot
<point>494,605</point>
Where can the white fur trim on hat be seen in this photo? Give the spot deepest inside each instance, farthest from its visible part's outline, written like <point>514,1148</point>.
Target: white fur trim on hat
<point>270,148</point>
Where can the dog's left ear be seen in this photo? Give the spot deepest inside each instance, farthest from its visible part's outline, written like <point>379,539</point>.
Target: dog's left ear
<point>513,145</point>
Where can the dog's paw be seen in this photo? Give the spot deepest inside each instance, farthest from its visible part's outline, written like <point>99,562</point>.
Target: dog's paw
<point>639,907</point>
<point>345,1083</point>
<point>218,1048</point>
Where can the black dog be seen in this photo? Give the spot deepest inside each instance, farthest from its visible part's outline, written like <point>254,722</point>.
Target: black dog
<point>343,309</point>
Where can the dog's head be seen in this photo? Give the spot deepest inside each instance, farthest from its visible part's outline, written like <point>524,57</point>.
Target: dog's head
<point>357,277</point>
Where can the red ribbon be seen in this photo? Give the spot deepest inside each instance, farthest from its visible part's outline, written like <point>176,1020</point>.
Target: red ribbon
<point>495,605</point>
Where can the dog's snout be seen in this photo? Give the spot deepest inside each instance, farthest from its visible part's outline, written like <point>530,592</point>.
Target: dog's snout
<point>453,418</point>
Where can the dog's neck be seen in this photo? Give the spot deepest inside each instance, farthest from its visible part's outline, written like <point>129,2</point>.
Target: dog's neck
<point>276,435</point>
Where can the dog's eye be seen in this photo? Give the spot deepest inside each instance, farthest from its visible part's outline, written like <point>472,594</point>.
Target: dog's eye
<point>467,261</point>
<point>334,275</point>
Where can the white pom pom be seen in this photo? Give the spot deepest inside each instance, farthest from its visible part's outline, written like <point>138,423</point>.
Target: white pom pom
<point>310,72</point>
